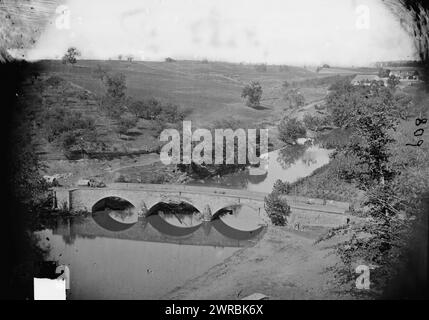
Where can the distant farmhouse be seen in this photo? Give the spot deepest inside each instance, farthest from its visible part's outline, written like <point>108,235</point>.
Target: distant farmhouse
<point>366,79</point>
<point>405,74</point>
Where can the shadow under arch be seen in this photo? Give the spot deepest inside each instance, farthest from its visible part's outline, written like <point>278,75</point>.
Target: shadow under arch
<point>233,233</point>
<point>162,226</point>
<point>102,209</point>
<point>182,209</point>
<point>229,231</point>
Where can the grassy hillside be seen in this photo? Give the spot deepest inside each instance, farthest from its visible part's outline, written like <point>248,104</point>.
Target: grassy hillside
<point>210,90</point>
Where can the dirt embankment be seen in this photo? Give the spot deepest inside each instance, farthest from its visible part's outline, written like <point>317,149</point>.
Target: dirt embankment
<point>283,265</point>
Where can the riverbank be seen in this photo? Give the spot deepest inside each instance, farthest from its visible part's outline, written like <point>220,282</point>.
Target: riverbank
<point>284,264</point>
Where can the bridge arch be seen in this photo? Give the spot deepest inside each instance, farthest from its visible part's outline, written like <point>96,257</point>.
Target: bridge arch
<point>100,198</point>
<point>114,213</point>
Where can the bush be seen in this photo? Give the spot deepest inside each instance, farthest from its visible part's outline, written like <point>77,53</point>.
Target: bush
<point>281,187</point>
<point>54,81</point>
<point>154,108</point>
<point>56,121</point>
<point>125,123</point>
<point>314,123</point>
<point>290,130</point>
<point>253,93</point>
<point>277,209</point>
<point>171,113</point>
<point>114,107</point>
<point>138,108</point>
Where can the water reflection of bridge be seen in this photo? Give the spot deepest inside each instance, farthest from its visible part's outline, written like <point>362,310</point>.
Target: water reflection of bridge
<point>156,229</point>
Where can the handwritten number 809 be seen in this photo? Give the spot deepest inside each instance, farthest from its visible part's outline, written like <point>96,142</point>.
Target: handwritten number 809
<point>418,132</point>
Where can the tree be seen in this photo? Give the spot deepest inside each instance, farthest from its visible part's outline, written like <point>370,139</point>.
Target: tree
<point>393,82</point>
<point>139,109</point>
<point>154,108</point>
<point>277,209</point>
<point>315,123</point>
<point>116,85</point>
<point>281,187</point>
<point>383,73</point>
<point>294,98</point>
<point>114,101</point>
<point>372,121</point>
<point>253,93</point>
<point>71,56</point>
<point>344,101</point>
<point>290,130</point>
<point>380,240</point>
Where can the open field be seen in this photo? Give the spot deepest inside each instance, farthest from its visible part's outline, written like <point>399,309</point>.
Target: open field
<point>211,91</point>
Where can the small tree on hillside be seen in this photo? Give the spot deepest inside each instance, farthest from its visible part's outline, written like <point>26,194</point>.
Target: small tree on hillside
<point>71,56</point>
<point>253,93</point>
<point>116,85</point>
<point>114,100</point>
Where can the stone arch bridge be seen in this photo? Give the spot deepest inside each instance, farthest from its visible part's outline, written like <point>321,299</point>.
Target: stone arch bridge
<point>143,197</point>
<point>206,200</point>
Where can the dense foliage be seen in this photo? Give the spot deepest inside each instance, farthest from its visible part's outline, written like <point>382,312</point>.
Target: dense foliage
<point>290,130</point>
<point>277,208</point>
<point>393,176</point>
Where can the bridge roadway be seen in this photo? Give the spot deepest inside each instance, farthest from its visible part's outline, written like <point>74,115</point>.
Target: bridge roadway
<point>207,200</point>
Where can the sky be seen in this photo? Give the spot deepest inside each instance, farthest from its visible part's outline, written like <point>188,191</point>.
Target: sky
<point>304,32</point>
